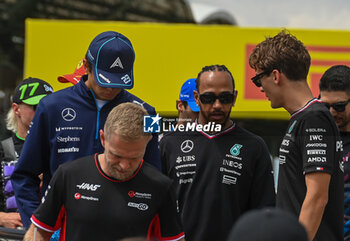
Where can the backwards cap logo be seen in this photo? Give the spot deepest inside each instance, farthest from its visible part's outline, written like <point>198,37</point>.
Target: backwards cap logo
<point>235,150</point>
<point>33,87</point>
<point>187,146</point>
<point>68,114</point>
<point>80,64</point>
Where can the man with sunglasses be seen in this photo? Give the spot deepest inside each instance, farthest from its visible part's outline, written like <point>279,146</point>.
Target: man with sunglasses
<point>25,98</point>
<point>310,182</point>
<point>220,174</point>
<point>335,94</point>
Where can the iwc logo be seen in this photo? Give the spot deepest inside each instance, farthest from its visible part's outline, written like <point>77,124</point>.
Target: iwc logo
<point>187,146</point>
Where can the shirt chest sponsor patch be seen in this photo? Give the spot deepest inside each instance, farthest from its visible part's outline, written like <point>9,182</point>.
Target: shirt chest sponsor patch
<point>185,168</point>
<point>139,206</point>
<point>87,188</point>
<point>79,196</point>
<point>68,114</point>
<point>134,194</point>
<point>235,152</point>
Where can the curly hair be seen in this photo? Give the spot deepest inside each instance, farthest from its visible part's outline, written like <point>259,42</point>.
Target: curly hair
<point>126,120</point>
<point>283,52</point>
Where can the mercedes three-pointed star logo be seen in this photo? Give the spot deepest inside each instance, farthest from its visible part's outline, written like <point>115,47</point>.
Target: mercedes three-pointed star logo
<point>68,114</point>
<point>187,146</point>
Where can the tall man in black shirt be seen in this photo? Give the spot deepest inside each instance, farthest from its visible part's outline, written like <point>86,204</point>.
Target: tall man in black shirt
<point>335,94</point>
<point>310,182</point>
<point>219,170</point>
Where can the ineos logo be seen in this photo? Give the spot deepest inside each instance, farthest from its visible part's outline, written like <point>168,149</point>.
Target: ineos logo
<point>68,114</point>
<point>187,146</point>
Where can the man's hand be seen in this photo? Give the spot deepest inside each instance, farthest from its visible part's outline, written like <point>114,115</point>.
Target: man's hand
<point>10,220</point>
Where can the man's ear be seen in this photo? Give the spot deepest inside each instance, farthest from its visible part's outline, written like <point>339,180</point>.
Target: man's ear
<point>86,66</point>
<point>276,75</point>
<point>196,97</point>
<point>16,109</point>
<point>179,105</point>
<point>102,138</point>
<point>235,97</point>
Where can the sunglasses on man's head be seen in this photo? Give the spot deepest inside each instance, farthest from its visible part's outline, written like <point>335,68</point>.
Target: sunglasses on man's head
<point>338,107</point>
<point>257,78</point>
<point>210,98</point>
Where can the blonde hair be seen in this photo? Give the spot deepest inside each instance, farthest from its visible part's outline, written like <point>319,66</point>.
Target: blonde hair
<point>126,120</point>
<point>11,120</point>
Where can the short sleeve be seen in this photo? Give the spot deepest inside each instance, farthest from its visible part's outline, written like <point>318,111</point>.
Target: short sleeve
<point>168,219</point>
<point>318,144</point>
<point>49,215</point>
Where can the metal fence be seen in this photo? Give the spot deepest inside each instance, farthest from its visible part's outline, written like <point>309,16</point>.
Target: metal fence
<point>9,234</point>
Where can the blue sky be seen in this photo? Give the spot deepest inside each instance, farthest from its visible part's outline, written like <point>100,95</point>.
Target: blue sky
<point>315,14</point>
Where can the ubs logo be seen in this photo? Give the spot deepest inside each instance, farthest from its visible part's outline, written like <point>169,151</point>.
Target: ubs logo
<point>68,114</point>
<point>187,146</point>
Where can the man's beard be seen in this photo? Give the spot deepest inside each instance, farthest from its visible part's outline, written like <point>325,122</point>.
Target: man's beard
<point>207,117</point>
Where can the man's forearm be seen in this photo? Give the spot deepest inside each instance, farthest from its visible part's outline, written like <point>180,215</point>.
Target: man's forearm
<point>316,198</point>
<point>36,234</point>
<point>311,216</point>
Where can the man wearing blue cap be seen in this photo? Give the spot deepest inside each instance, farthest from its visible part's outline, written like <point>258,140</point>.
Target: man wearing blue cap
<point>186,105</point>
<point>66,126</point>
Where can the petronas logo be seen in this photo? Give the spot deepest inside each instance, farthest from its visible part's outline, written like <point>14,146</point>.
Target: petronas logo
<point>235,150</point>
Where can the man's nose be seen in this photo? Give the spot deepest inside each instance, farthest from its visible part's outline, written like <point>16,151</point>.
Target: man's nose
<point>124,164</point>
<point>217,104</point>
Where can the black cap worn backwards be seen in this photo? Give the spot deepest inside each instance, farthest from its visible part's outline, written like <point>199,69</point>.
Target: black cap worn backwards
<point>30,91</point>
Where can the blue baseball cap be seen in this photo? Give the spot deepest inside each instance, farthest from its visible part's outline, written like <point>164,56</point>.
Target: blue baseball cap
<point>186,94</point>
<point>112,57</point>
